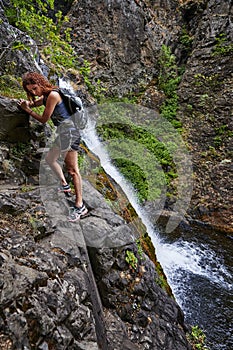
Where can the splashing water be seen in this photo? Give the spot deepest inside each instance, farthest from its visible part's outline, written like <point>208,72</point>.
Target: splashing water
<point>196,259</point>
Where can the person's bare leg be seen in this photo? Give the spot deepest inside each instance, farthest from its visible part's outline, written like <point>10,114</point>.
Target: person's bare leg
<point>71,161</point>
<point>51,159</point>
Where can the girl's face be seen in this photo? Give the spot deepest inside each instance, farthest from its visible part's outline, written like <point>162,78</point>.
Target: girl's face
<point>35,89</point>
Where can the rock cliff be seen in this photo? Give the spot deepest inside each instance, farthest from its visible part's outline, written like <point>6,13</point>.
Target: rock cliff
<point>56,294</point>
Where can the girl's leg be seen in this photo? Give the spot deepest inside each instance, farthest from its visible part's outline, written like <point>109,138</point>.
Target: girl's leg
<point>71,161</point>
<point>51,159</point>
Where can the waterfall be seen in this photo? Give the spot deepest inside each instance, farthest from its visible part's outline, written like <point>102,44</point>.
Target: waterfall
<point>195,272</point>
<point>200,279</point>
<point>181,255</point>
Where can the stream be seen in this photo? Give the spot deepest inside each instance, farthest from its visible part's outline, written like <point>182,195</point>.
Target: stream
<point>199,270</point>
<point>198,266</point>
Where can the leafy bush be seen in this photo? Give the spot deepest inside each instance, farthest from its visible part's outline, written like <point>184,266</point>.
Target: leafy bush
<point>197,339</point>
<point>33,18</point>
<point>10,86</point>
<point>222,46</point>
<point>131,259</point>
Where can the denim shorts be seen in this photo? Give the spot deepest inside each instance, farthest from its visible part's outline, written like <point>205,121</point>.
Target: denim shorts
<point>68,138</point>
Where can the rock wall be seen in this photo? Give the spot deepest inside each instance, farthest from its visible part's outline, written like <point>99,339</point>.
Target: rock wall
<point>14,123</point>
<point>122,40</point>
<point>206,111</point>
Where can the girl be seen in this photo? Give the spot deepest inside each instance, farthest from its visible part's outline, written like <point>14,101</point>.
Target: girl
<point>66,144</point>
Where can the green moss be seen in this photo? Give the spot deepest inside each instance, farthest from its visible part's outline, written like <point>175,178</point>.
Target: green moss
<point>143,160</point>
<point>11,87</point>
<point>149,250</point>
<point>168,81</point>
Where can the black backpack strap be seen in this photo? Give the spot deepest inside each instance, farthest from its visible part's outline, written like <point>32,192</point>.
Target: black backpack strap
<point>46,96</point>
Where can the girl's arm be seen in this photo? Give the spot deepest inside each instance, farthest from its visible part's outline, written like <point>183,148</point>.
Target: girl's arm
<point>52,100</point>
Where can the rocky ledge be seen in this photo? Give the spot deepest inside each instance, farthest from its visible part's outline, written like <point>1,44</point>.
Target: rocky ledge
<point>69,285</point>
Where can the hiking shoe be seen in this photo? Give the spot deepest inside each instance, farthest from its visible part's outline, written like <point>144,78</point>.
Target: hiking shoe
<point>76,213</point>
<point>65,189</point>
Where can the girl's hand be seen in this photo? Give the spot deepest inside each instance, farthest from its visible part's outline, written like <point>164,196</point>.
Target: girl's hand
<point>24,104</point>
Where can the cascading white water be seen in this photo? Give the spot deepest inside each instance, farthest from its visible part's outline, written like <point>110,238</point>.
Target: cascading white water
<point>181,260</point>
<point>181,255</point>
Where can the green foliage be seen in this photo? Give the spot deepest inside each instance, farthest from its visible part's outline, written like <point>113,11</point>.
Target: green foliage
<point>197,339</point>
<point>139,246</point>
<point>138,180</point>
<point>20,149</point>
<point>26,188</point>
<point>207,82</point>
<point>50,36</point>
<point>143,160</point>
<point>203,99</point>
<point>18,45</point>
<point>142,153</point>
<point>222,47</point>
<point>83,162</point>
<point>185,39</point>
<point>33,222</point>
<point>169,109</point>
<point>85,70</point>
<point>168,81</point>
<point>95,88</point>
<point>33,19</point>
<point>131,259</point>
<point>222,133</point>
<point>130,99</point>
<point>224,130</point>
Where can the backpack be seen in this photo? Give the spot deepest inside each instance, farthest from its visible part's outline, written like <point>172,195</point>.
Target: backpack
<point>74,106</point>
